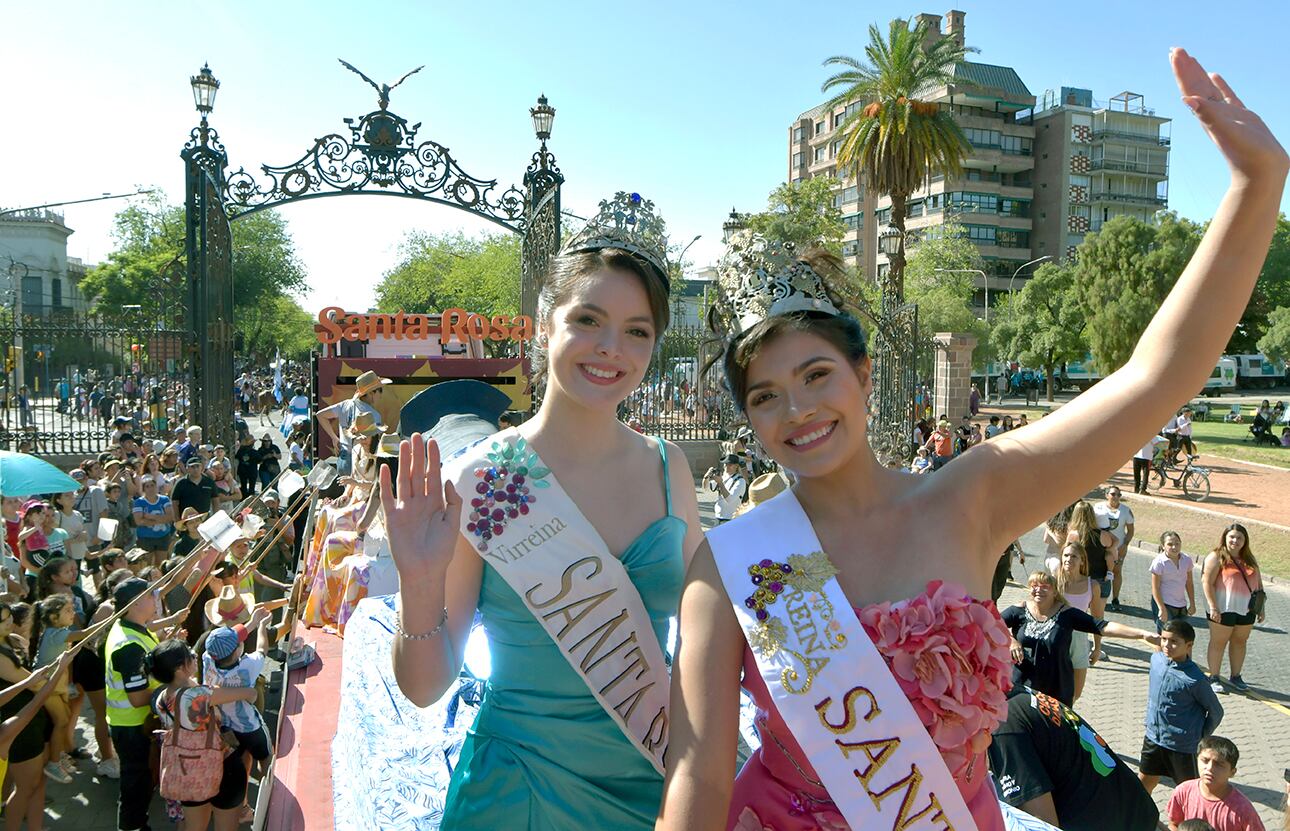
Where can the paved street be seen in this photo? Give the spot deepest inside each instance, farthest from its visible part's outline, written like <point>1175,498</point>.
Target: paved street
<point>1113,701</point>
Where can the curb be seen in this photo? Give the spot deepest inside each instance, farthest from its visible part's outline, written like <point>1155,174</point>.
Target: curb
<point>1251,464</point>
<point>1170,503</point>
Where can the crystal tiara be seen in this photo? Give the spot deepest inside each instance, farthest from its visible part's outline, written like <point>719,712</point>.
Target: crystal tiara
<point>627,222</point>
<point>762,278</point>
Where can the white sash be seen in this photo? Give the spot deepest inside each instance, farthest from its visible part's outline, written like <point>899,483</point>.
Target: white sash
<point>828,680</point>
<point>519,519</point>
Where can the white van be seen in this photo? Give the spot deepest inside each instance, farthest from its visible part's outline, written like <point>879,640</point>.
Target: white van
<point>1223,378</point>
<point>1257,371</point>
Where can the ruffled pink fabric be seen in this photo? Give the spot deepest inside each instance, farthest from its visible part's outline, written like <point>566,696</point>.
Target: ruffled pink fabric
<point>949,653</point>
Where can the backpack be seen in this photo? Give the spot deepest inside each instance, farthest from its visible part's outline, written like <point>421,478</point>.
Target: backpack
<point>192,761</point>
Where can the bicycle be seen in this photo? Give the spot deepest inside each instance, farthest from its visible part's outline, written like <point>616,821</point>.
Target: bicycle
<point>1191,478</point>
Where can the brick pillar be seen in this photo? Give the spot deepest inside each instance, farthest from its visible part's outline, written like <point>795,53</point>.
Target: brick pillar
<point>952,374</point>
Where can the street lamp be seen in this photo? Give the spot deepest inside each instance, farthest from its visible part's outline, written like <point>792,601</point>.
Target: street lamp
<point>680,268</point>
<point>733,223</point>
<point>1022,266</point>
<point>204,88</point>
<point>543,115</point>
<point>889,238</point>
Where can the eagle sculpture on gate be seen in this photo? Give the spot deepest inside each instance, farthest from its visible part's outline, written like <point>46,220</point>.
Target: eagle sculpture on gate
<point>382,90</point>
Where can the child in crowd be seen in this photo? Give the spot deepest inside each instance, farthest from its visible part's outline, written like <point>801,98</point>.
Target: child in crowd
<point>1212,797</point>
<point>1173,591</point>
<point>226,665</point>
<point>1181,709</point>
<point>56,617</point>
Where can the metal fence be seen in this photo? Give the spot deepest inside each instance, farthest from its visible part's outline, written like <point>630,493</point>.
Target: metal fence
<point>69,375</point>
<point>678,400</point>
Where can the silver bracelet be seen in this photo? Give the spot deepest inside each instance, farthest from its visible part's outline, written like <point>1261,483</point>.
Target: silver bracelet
<point>398,627</point>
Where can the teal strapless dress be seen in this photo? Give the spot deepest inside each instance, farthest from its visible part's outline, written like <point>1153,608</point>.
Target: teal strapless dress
<point>542,755</point>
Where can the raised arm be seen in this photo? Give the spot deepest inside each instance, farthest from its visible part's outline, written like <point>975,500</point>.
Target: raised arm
<point>1060,457</point>
<point>439,573</point>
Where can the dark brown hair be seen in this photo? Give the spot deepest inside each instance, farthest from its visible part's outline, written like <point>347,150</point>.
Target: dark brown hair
<point>1246,555</point>
<point>568,271</point>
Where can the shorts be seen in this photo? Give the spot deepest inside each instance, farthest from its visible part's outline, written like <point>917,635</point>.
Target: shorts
<point>1175,612</point>
<point>89,670</point>
<point>1079,650</point>
<point>256,742</point>
<point>1161,761</point>
<point>155,543</point>
<point>232,785</point>
<point>1105,591</point>
<point>1233,619</point>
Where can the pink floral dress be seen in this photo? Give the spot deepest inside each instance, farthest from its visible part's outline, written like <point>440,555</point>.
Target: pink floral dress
<point>949,652</point>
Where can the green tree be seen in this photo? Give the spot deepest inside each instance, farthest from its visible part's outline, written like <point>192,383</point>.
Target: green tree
<point>1042,325</point>
<point>1272,291</point>
<point>1275,343</point>
<point>893,140</point>
<point>278,325</point>
<point>937,279</point>
<point>147,269</point>
<point>1122,275</point>
<point>802,213</point>
<point>445,271</point>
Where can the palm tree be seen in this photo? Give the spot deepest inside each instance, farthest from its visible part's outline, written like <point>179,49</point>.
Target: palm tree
<point>896,140</point>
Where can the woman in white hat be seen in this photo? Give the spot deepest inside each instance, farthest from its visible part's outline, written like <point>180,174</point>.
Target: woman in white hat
<point>336,420</point>
<point>551,747</point>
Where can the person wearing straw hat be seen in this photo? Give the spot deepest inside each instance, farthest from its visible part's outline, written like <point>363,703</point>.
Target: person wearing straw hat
<point>230,607</point>
<point>337,419</point>
<point>239,553</point>
<point>186,536</point>
<point>623,500</point>
<point>762,489</point>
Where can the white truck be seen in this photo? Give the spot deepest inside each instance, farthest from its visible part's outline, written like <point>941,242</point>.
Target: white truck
<point>1258,371</point>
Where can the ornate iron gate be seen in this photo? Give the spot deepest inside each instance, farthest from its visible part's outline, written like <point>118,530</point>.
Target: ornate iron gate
<point>677,400</point>
<point>209,247</point>
<point>71,374</point>
<point>896,346</point>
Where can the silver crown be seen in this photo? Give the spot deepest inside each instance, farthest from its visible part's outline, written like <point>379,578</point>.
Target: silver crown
<point>762,278</point>
<point>628,222</point>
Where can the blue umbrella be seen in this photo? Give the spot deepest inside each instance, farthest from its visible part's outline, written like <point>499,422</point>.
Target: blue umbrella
<point>22,474</point>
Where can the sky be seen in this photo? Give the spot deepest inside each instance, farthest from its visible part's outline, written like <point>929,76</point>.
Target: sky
<point>688,103</point>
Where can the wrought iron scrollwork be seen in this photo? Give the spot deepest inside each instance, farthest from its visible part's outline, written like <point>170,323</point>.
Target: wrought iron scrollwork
<point>381,155</point>
<point>896,344</point>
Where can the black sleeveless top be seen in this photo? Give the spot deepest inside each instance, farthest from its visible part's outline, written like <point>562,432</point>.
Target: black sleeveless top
<point>1096,554</point>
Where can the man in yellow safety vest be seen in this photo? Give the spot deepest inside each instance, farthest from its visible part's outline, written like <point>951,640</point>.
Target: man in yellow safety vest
<point>129,691</point>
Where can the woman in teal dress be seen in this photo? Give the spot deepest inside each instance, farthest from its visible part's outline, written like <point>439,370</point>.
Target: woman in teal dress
<point>543,754</point>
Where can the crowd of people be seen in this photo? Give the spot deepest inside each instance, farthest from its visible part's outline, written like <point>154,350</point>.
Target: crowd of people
<point>127,538</point>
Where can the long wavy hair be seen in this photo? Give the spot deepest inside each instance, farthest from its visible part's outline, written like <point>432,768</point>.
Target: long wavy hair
<point>1246,555</point>
<point>1060,576</point>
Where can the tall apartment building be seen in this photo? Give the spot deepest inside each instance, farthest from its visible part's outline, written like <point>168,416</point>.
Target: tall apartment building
<point>1095,161</point>
<point>991,199</point>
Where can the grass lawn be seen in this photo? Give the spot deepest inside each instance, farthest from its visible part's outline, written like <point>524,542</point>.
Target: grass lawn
<point>1200,534</point>
<point>1235,442</point>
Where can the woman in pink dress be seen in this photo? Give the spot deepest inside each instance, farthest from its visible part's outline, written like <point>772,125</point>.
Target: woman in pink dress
<point>913,553</point>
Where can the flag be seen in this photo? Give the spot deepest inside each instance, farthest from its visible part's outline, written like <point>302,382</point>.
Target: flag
<point>277,376</point>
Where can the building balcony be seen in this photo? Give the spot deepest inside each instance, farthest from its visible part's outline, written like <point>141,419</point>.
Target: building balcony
<point>1132,198</point>
<point>1157,171</point>
<point>1145,138</point>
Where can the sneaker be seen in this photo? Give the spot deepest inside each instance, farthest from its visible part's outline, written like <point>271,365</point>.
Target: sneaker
<point>80,754</point>
<point>109,768</point>
<point>68,764</point>
<point>1115,604</point>
<point>55,772</point>
<point>1215,684</point>
<point>1238,683</point>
